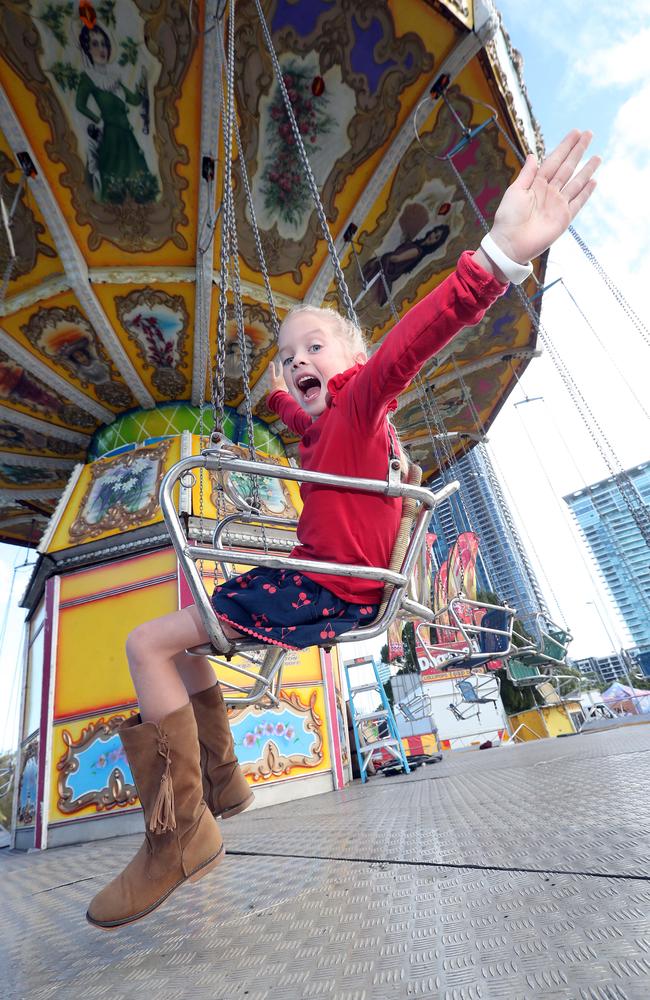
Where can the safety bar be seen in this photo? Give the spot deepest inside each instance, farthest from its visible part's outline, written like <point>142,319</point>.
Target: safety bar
<point>217,460</point>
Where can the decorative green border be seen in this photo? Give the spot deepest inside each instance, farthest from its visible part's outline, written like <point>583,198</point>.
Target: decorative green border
<point>169,420</point>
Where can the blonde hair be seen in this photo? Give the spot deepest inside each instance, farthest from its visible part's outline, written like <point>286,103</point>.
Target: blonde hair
<point>344,328</point>
<point>353,336</point>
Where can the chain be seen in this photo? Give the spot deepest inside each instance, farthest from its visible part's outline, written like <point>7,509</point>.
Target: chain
<point>591,257</point>
<point>311,181</point>
<point>495,486</point>
<point>275,323</point>
<point>618,295</point>
<point>610,356</point>
<point>637,509</point>
<point>230,249</point>
<point>219,382</point>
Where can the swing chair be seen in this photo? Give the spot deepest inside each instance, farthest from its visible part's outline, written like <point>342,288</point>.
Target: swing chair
<point>472,692</point>
<point>550,651</point>
<point>262,664</point>
<point>465,645</point>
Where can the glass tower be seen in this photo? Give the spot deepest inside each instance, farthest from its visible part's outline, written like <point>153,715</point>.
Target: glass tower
<point>619,549</point>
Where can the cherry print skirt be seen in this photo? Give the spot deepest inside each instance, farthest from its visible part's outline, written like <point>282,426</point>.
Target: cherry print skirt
<point>287,609</point>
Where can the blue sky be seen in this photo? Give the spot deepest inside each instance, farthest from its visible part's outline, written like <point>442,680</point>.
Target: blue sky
<point>585,65</point>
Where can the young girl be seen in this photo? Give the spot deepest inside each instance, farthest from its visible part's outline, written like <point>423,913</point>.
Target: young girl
<point>180,748</point>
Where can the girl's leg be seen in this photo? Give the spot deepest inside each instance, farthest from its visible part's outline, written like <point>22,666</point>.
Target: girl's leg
<point>196,672</point>
<point>152,649</point>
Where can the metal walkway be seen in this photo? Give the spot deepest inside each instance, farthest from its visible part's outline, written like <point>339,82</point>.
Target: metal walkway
<point>511,873</point>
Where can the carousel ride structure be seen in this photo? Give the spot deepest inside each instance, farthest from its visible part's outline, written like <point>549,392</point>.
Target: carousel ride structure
<point>414,116</point>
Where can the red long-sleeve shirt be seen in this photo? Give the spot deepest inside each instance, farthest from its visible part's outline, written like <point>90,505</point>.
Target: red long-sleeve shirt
<point>350,437</point>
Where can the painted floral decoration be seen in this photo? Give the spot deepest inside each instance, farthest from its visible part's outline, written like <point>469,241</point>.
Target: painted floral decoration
<point>284,186</point>
<point>261,733</point>
<point>129,487</point>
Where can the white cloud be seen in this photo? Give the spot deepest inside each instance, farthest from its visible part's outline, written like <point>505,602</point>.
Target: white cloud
<point>619,62</point>
<point>619,214</point>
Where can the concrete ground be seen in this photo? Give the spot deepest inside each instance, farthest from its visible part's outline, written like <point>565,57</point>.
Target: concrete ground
<point>520,872</point>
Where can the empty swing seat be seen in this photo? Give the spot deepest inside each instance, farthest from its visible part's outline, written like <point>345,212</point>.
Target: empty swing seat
<point>523,674</point>
<point>488,639</point>
<point>471,695</point>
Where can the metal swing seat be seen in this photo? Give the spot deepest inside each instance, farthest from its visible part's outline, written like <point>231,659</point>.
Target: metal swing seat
<point>264,674</point>
<point>465,645</point>
<point>473,691</point>
<point>532,663</point>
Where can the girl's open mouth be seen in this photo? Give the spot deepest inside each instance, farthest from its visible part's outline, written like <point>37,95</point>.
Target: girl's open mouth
<point>309,386</point>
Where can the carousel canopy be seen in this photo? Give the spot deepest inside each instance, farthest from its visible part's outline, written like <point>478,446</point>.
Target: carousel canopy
<point>110,162</point>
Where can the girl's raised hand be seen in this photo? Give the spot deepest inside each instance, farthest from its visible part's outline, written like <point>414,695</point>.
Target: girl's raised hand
<point>544,199</point>
<point>275,378</point>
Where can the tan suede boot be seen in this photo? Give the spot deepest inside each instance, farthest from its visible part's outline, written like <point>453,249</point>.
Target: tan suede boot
<point>182,839</point>
<point>225,788</point>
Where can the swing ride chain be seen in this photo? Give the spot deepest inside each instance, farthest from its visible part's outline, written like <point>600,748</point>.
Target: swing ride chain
<point>229,239</point>
<point>495,486</point>
<point>253,217</point>
<point>640,513</point>
<point>616,292</point>
<point>218,384</point>
<point>591,257</point>
<point>311,181</point>
<point>603,347</point>
<point>275,323</point>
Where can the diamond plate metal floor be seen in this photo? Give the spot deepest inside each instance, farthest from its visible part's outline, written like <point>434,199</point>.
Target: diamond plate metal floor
<point>511,873</point>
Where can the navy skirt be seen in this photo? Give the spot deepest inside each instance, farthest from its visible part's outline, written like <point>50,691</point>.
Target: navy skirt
<point>287,609</point>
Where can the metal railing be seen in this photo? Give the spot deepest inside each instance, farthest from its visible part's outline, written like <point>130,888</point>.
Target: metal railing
<point>221,462</point>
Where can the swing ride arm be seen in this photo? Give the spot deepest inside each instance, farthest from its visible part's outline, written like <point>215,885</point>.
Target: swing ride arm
<point>219,461</point>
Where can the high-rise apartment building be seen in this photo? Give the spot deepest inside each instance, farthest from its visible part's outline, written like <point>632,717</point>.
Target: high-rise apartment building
<point>504,565</point>
<point>616,666</point>
<point>619,550</point>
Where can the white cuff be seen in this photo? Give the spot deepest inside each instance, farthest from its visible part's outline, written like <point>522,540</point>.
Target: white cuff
<point>514,272</point>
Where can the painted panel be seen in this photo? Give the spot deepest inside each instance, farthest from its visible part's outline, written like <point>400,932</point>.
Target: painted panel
<point>28,784</point>
<point>352,74</point>
<point>124,572</point>
<point>278,497</point>
<point>113,110</point>
<point>26,441</point>
<point>283,742</point>
<point>155,326</point>
<point>25,393</point>
<point>90,772</point>
<point>116,494</point>
<point>260,345</point>
<point>36,256</point>
<point>59,334</point>
<point>92,670</point>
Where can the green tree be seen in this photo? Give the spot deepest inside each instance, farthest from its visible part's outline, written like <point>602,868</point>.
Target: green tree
<point>406,664</point>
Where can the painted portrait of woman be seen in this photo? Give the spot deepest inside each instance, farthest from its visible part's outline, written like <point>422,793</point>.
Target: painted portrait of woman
<point>117,169</point>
